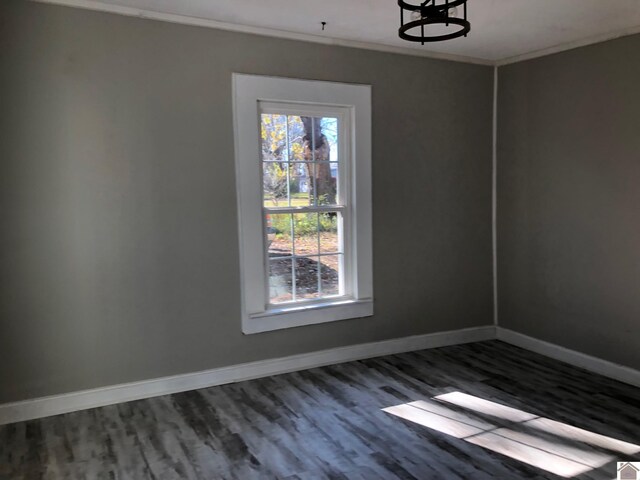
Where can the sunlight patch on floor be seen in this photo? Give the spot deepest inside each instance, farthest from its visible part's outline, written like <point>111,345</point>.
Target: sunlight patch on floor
<point>539,423</point>
<point>541,442</point>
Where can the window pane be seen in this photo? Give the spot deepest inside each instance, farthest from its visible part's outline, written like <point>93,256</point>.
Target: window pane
<point>300,185</point>
<point>280,280</point>
<point>320,139</point>
<point>273,133</point>
<point>330,266</point>
<point>296,139</point>
<point>326,179</point>
<point>320,144</point>
<point>305,228</point>
<point>306,277</point>
<point>275,184</point>
<point>329,238</point>
<point>329,128</point>
<point>278,231</point>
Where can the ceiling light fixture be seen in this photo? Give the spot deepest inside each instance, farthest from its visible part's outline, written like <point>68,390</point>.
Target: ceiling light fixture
<point>432,12</point>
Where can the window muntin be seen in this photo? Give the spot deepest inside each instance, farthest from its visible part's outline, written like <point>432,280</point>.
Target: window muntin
<point>304,158</point>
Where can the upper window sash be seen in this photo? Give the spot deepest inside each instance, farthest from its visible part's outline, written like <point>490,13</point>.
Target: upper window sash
<point>344,116</point>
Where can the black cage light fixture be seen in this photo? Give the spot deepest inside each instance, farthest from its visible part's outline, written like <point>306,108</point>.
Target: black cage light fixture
<point>415,18</point>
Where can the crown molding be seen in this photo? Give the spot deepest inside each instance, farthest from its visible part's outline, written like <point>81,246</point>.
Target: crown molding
<point>269,32</point>
<point>569,46</point>
<point>100,6</point>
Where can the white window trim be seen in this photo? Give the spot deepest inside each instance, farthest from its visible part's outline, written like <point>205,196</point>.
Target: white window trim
<point>248,92</point>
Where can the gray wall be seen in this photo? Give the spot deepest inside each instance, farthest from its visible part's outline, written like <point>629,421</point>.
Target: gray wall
<point>569,199</point>
<point>118,244</point>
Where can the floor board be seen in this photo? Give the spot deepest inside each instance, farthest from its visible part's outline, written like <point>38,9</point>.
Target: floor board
<point>433,414</point>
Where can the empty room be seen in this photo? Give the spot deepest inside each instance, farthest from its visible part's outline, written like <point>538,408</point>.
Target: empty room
<point>298,240</point>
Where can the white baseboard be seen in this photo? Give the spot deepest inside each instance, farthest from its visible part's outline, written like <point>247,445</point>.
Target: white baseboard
<point>99,397</point>
<point>74,401</point>
<point>593,364</point>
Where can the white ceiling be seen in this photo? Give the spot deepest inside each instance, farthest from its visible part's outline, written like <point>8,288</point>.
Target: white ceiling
<point>501,30</point>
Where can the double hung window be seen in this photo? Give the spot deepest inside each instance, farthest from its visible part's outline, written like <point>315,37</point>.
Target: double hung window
<point>303,173</point>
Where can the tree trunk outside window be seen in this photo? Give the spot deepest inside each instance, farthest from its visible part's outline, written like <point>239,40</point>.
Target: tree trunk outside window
<point>321,182</point>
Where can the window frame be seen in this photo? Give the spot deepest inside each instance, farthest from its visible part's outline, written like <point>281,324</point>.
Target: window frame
<point>344,190</point>
<point>253,94</point>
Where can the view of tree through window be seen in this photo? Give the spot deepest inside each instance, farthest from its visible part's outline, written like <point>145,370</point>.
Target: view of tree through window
<point>300,164</point>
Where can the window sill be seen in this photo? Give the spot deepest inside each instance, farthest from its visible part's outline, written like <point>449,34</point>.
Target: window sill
<point>309,314</point>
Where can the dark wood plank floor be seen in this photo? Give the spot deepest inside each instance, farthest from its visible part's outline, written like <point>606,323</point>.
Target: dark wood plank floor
<point>329,423</point>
